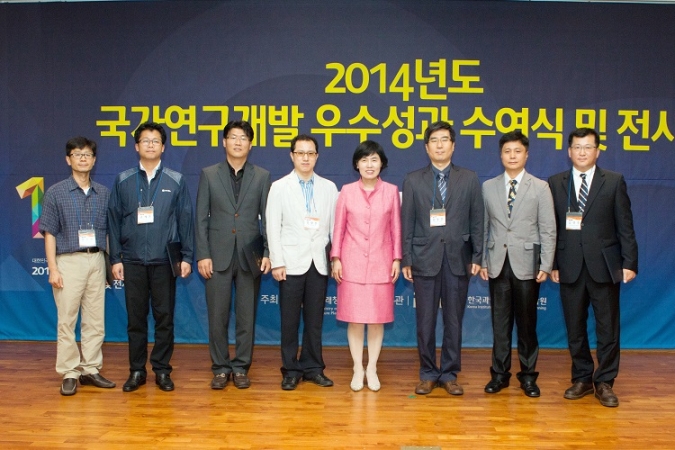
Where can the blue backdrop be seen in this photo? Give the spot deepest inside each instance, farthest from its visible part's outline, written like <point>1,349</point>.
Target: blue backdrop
<point>344,71</point>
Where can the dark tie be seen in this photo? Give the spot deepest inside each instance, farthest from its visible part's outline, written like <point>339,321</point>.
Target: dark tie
<point>512,196</point>
<point>442,186</point>
<point>583,193</point>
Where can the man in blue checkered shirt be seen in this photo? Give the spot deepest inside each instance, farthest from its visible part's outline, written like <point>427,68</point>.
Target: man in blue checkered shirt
<point>74,224</point>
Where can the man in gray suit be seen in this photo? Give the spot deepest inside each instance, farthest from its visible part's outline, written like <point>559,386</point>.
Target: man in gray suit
<point>442,227</point>
<point>518,254</point>
<point>231,199</point>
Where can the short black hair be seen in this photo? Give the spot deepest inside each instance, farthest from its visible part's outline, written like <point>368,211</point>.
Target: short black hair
<point>153,126</point>
<point>440,125</point>
<point>241,124</point>
<point>514,136</point>
<point>80,142</point>
<point>582,133</point>
<point>367,148</point>
<point>304,137</point>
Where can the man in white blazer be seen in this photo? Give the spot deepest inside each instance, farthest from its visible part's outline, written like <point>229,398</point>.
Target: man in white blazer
<point>519,246</point>
<point>300,215</point>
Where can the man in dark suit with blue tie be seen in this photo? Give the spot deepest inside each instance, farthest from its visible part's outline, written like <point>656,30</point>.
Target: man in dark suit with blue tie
<point>442,227</point>
<point>596,251</point>
<point>231,200</point>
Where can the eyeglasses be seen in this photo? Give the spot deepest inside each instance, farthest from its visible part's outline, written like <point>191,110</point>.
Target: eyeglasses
<point>309,155</point>
<point>82,155</point>
<point>242,139</point>
<point>443,140</point>
<point>147,142</point>
<point>587,148</point>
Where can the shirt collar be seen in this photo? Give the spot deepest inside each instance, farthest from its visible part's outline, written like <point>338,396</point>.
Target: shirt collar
<point>518,178</point>
<point>589,173</point>
<point>152,174</point>
<point>445,171</point>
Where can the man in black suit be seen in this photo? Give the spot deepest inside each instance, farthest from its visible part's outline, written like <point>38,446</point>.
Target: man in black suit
<point>442,227</point>
<point>231,200</point>
<point>596,251</point>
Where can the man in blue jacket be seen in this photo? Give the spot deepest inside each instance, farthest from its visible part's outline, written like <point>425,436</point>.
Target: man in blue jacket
<point>149,208</point>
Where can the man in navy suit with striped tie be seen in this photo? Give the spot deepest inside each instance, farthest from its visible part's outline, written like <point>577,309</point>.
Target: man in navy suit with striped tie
<point>596,251</point>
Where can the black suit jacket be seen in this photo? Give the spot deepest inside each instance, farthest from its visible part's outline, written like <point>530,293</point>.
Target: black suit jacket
<point>224,225</point>
<point>462,236</point>
<point>607,221</point>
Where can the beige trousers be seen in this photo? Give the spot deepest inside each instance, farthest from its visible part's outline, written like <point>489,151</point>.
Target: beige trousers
<point>83,292</point>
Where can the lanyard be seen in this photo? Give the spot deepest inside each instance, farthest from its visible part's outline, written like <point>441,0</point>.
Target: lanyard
<point>569,191</point>
<point>77,209</point>
<point>138,187</point>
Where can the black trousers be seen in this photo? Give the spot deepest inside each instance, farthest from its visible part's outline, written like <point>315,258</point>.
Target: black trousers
<point>218,304</point>
<point>451,290</point>
<point>304,294</point>
<point>145,287</point>
<point>604,298</point>
<point>514,300</point>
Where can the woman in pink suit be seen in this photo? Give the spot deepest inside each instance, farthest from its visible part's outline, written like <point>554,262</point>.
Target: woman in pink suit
<point>366,254</point>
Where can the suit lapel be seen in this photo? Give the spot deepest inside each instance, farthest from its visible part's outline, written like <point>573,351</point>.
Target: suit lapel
<point>570,192</point>
<point>525,184</point>
<point>430,184</point>
<point>499,192</point>
<point>224,175</point>
<point>245,182</point>
<point>596,185</point>
<point>453,181</point>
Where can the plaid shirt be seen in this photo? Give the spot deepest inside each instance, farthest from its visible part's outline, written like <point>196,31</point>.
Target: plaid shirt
<point>67,209</point>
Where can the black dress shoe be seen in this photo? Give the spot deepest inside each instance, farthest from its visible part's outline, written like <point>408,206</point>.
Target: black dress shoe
<point>220,381</point>
<point>69,386</point>
<point>530,388</point>
<point>241,380</point>
<point>320,380</point>
<point>135,380</point>
<point>96,379</point>
<point>289,383</point>
<point>495,386</point>
<point>163,380</point>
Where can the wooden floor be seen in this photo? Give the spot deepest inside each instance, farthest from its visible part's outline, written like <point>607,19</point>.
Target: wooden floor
<point>34,415</point>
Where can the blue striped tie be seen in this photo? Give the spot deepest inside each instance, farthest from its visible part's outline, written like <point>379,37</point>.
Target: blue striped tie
<point>583,193</point>
<point>442,186</point>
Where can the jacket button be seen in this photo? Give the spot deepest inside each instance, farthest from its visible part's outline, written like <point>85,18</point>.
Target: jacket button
<point>234,230</point>
<point>505,246</point>
<point>236,214</point>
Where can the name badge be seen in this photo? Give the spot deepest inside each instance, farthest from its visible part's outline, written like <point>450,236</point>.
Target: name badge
<point>437,217</point>
<point>311,223</point>
<point>573,221</point>
<point>86,238</point>
<point>146,214</point>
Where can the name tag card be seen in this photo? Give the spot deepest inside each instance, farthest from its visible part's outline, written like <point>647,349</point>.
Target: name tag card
<point>146,214</point>
<point>437,217</point>
<point>573,221</point>
<point>87,238</point>
<point>311,223</point>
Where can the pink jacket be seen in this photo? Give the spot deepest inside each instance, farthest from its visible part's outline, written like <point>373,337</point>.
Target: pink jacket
<point>367,233</point>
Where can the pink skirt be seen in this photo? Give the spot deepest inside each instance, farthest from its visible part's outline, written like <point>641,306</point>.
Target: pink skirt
<point>365,303</point>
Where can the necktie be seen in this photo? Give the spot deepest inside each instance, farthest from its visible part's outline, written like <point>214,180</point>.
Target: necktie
<point>583,193</point>
<point>512,196</point>
<point>442,186</point>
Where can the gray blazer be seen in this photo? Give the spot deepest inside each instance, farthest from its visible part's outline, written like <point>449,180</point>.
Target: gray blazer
<point>223,225</point>
<point>532,222</point>
<point>461,239</point>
